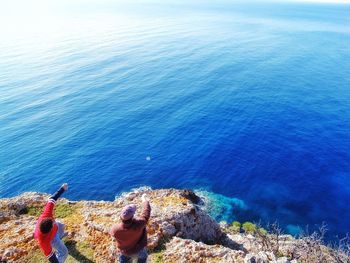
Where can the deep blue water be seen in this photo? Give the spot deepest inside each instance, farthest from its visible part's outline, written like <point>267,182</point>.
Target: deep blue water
<point>249,103</point>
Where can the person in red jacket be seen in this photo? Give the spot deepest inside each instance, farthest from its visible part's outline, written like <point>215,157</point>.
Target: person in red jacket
<point>131,234</point>
<point>48,232</point>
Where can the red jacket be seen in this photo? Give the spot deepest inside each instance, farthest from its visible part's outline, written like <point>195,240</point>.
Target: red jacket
<point>44,240</point>
<point>132,238</point>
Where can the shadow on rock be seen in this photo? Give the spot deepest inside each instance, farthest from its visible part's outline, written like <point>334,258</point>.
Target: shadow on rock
<point>75,253</point>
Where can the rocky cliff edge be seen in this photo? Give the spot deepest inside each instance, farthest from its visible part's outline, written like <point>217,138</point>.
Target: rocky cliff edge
<point>179,231</point>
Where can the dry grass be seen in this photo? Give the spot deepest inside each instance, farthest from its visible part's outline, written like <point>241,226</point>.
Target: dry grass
<point>174,201</point>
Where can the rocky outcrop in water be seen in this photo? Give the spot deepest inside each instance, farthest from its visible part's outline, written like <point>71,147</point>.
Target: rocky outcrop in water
<point>179,230</point>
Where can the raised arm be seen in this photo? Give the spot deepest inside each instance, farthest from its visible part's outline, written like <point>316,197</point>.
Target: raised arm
<point>48,211</point>
<point>59,192</point>
<point>146,208</point>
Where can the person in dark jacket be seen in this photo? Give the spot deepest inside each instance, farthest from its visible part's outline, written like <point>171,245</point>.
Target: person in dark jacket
<point>48,232</point>
<point>131,234</point>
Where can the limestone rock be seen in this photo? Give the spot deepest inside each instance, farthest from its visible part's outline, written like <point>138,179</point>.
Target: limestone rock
<point>283,260</point>
<point>256,258</point>
<point>186,250</point>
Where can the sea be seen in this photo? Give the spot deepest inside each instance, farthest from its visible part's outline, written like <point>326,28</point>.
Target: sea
<point>246,102</point>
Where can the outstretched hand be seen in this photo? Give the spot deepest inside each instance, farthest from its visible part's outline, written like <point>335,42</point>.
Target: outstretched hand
<point>65,186</point>
<point>144,198</point>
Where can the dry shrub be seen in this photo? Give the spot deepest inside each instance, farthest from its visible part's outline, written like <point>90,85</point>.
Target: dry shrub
<point>307,248</point>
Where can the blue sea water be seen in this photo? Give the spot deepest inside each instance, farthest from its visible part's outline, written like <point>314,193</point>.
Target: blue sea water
<point>249,103</point>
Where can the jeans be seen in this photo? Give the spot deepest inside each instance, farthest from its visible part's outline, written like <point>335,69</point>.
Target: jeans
<point>141,257</point>
<point>58,245</point>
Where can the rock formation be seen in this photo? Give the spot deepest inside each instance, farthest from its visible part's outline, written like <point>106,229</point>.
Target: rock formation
<point>179,230</point>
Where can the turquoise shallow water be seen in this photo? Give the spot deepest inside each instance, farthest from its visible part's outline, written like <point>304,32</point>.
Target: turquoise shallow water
<point>247,102</point>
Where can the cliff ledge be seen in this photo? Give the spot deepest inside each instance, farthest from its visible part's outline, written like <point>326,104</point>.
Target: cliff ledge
<point>179,231</point>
